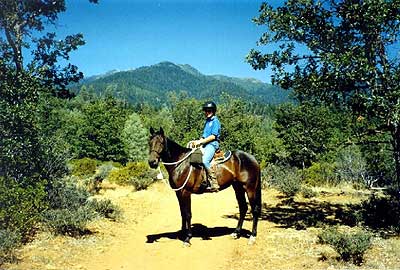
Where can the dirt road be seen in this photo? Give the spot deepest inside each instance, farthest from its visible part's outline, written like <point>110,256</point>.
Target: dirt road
<point>147,237</point>
<point>151,242</point>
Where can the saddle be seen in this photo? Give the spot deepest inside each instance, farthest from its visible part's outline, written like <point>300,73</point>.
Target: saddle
<point>219,157</point>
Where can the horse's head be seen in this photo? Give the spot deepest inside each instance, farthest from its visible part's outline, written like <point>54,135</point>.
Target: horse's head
<point>157,144</point>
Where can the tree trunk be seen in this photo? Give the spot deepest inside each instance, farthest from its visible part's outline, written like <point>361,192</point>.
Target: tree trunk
<point>396,152</point>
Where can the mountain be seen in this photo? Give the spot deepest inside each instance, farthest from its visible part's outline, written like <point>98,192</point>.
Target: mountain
<point>152,84</point>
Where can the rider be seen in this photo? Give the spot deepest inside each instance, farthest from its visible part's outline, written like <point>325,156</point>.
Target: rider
<point>210,142</point>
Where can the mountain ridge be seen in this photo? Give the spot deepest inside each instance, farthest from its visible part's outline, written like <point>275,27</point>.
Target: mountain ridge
<point>152,84</point>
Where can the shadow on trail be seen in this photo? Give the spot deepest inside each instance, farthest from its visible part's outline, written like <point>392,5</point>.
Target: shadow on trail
<point>199,231</point>
<point>302,215</point>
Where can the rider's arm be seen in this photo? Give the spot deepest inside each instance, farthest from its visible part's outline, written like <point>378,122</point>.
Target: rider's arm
<point>207,140</point>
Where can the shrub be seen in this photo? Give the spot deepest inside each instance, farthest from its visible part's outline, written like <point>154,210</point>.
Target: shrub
<point>350,246</point>
<point>320,173</point>
<point>286,179</point>
<point>68,211</point>
<point>103,171</point>
<point>307,192</point>
<point>83,167</point>
<point>9,240</point>
<point>20,206</point>
<point>105,208</point>
<point>351,165</point>
<point>69,221</point>
<point>137,174</point>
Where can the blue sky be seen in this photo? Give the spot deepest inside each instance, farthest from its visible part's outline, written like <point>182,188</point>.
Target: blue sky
<point>213,36</point>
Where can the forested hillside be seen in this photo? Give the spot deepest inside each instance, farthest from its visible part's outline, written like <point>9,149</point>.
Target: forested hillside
<point>152,84</point>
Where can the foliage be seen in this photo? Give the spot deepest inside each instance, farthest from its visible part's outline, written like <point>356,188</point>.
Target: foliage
<point>105,208</point>
<point>309,131</point>
<point>83,167</point>
<point>68,221</point>
<point>382,212</point>
<point>69,210</point>
<point>339,52</point>
<point>21,23</point>
<point>100,133</point>
<point>351,166</point>
<point>188,118</point>
<point>308,192</point>
<point>137,174</point>
<point>286,179</point>
<point>350,246</point>
<point>21,206</point>
<point>321,173</point>
<point>134,138</point>
<point>9,241</point>
<point>153,85</point>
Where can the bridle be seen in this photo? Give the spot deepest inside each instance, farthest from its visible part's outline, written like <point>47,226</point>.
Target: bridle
<point>175,163</point>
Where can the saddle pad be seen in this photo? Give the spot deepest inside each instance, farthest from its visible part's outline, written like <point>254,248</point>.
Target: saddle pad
<point>221,157</point>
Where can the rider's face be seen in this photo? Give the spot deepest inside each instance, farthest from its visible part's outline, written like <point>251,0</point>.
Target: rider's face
<point>208,113</point>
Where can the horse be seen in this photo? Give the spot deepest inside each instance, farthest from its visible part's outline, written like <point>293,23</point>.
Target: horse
<point>241,171</point>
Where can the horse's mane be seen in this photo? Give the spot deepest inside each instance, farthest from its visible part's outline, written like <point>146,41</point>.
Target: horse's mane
<point>174,148</point>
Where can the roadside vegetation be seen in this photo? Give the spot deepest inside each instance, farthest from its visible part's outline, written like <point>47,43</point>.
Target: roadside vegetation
<point>57,149</point>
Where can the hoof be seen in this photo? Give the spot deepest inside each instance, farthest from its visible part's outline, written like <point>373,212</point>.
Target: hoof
<point>235,235</point>
<point>186,244</point>
<point>252,240</point>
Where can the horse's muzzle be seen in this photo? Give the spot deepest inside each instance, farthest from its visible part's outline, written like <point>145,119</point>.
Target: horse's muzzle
<point>153,163</point>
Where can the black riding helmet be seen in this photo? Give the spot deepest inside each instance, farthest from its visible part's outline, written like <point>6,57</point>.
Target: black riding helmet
<point>210,105</point>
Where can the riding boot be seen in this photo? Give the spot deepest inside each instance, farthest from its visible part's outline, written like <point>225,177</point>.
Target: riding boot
<point>212,183</point>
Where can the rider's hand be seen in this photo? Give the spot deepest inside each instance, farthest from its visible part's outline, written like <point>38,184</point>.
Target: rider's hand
<point>197,143</point>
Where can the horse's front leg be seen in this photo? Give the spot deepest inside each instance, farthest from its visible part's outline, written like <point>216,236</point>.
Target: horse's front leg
<point>184,199</point>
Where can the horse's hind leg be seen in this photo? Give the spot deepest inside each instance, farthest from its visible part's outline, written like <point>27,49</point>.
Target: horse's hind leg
<point>254,197</point>
<point>241,199</point>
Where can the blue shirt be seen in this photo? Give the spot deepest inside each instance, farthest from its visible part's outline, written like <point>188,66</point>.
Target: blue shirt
<point>212,126</point>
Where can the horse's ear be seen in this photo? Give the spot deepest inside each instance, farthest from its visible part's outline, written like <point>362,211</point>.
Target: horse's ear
<point>161,131</point>
<point>152,131</point>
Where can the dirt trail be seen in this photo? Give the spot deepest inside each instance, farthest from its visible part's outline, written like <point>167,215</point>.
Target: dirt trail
<point>152,241</point>
<point>149,237</point>
<point>146,237</point>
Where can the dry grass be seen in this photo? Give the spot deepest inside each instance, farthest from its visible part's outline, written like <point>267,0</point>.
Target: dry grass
<point>289,241</point>
<point>287,237</point>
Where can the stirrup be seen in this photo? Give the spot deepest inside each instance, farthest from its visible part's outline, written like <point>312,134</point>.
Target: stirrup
<point>212,186</point>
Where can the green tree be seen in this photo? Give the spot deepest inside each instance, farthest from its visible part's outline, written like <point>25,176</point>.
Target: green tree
<point>188,118</point>
<point>20,21</point>
<point>134,137</point>
<point>100,135</point>
<point>339,52</point>
<point>308,131</point>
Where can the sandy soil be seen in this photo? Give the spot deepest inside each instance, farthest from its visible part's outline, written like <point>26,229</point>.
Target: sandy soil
<point>147,238</point>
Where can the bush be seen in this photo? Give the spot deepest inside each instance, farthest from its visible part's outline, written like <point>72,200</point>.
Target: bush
<point>307,192</point>
<point>83,167</point>
<point>9,240</point>
<point>103,171</point>
<point>320,173</point>
<point>350,246</point>
<point>68,211</point>
<point>20,206</point>
<point>286,179</point>
<point>105,208</point>
<point>69,221</point>
<point>137,174</point>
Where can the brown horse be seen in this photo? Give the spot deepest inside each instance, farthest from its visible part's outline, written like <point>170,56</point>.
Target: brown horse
<point>241,171</point>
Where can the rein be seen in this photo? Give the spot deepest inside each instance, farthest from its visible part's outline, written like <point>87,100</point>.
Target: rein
<point>179,161</point>
<point>176,163</point>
